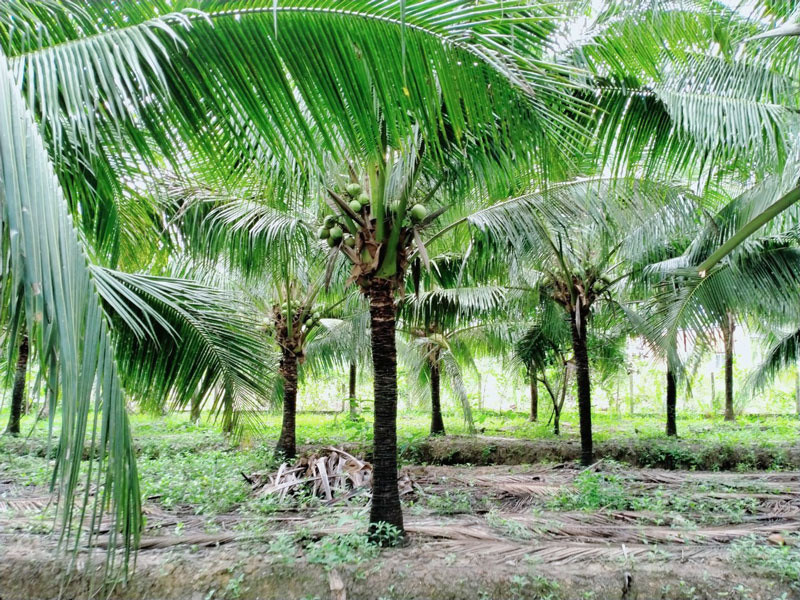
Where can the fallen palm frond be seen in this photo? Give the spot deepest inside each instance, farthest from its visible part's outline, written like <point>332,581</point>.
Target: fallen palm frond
<point>331,474</point>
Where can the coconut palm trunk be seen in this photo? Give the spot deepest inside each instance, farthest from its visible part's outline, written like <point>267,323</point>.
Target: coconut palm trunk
<point>579,338</point>
<point>194,413</point>
<point>352,390</point>
<point>797,390</point>
<point>437,423</point>
<point>18,391</point>
<point>534,397</point>
<point>672,428</point>
<point>727,338</point>
<point>385,495</point>
<point>288,370</point>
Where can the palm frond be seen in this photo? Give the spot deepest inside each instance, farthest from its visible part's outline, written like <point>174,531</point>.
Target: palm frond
<point>49,271</point>
<point>178,340</point>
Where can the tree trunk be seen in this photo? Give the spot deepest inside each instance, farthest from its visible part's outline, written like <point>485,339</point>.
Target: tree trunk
<point>727,337</point>
<point>194,413</point>
<point>288,370</point>
<point>18,391</point>
<point>352,391</point>
<point>534,397</point>
<point>578,325</point>
<point>630,393</point>
<point>437,423</point>
<point>672,427</point>
<point>797,390</point>
<point>385,495</point>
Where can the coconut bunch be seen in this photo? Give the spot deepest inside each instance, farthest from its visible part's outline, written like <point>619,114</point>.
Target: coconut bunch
<point>335,233</point>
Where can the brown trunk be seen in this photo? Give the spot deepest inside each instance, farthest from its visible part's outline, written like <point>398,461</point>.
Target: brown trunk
<point>18,391</point>
<point>437,423</point>
<point>797,390</point>
<point>288,369</point>
<point>385,495</point>
<point>630,393</point>
<point>534,397</point>
<point>727,337</point>
<point>578,325</point>
<point>672,427</point>
<point>194,413</point>
<point>352,390</point>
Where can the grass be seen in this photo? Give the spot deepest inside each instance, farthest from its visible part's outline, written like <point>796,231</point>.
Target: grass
<point>688,506</point>
<point>781,562</point>
<point>192,466</point>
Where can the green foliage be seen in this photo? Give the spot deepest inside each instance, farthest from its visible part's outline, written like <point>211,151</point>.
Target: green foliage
<point>449,503</point>
<point>209,482</point>
<point>782,562</point>
<point>592,491</point>
<point>347,548</point>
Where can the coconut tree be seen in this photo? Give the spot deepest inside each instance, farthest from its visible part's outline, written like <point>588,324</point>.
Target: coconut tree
<point>444,327</point>
<point>756,278</point>
<point>280,265</point>
<point>17,407</point>
<point>585,239</point>
<point>343,344</point>
<point>544,348</point>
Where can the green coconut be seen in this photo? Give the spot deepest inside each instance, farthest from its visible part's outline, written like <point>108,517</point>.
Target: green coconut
<point>350,241</point>
<point>332,242</point>
<point>355,206</point>
<point>309,323</point>
<point>418,212</point>
<point>323,233</point>
<point>353,189</point>
<point>329,221</point>
<point>317,315</point>
<point>336,233</point>
<point>363,199</point>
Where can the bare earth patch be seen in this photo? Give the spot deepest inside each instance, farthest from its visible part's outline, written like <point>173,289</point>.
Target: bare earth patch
<point>475,532</point>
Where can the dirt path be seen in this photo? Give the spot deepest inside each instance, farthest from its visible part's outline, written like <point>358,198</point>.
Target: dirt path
<point>475,532</point>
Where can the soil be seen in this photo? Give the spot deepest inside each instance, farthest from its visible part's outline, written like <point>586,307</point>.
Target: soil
<point>503,538</point>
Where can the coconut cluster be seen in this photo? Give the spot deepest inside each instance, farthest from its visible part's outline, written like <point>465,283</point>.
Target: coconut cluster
<point>312,318</point>
<point>358,202</point>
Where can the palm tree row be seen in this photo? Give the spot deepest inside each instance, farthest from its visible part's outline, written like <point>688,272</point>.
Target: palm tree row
<point>192,148</point>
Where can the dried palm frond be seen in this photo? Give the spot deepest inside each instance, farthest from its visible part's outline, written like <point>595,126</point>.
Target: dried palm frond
<point>330,473</point>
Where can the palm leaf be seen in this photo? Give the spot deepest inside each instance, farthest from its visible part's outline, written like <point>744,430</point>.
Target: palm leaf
<point>65,322</point>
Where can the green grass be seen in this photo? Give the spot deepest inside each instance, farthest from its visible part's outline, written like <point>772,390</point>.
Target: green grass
<point>194,467</point>
<point>612,491</point>
<point>782,562</point>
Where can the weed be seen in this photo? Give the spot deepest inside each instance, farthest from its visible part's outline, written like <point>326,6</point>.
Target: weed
<point>347,548</point>
<point>449,503</point>
<point>782,562</point>
<point>508,527</point>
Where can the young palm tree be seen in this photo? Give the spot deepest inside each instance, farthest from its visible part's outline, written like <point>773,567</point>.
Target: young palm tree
<point>544,347</point>
<point>444,326</point>
<point>576,243</point>
<point>757,278</point>
<point>272,249</point>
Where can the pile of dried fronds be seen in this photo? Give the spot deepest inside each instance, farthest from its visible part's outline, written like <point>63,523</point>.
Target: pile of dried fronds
<point>331,474</point>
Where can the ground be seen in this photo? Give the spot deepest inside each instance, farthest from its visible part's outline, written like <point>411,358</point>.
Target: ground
<point>503,531</point>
